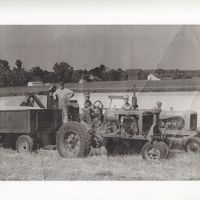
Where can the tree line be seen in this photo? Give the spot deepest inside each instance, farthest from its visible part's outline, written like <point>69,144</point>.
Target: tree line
<point>18,75</point>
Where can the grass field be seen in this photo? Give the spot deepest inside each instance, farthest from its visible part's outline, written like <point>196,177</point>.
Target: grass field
<point>111,86</point>
<point>47,165</point>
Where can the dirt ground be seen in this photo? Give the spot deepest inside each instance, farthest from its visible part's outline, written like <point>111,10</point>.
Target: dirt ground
<point>47,165</point>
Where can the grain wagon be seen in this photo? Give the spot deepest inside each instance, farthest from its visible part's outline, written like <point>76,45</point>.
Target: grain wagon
<point>28,127</point>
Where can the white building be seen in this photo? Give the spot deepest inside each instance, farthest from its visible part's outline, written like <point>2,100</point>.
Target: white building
<point>82,81</point>
<point>35,83</point>
<point>152,77</point>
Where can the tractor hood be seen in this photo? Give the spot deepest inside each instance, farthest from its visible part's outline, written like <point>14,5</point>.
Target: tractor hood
<point>113,114</point>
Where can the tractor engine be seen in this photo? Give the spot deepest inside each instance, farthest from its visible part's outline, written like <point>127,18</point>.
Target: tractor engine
<point>125,124</point>
<point>129,125</point>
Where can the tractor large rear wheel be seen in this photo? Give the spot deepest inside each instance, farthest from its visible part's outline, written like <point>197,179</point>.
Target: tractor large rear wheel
<point>73,140</point>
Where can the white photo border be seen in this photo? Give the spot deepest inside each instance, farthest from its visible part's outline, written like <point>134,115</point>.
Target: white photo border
<point>100,12</point>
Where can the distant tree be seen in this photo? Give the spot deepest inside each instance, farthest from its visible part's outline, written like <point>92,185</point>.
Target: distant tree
<point>99,72</point>
<point>77,75</point>
<point>122,74</point>
<point>18,63</point>
<point>4,65</point>
<point>23,77</point>
<point>111,75</point>
<point>4,73</point>
<point>50,77</point>
<point>116,75</point>
<point>86,75</point>
<point>38,72</point>
<point>63,71</point>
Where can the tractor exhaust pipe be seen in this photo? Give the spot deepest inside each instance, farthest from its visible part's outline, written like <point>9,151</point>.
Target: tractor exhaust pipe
<point>134,99</point>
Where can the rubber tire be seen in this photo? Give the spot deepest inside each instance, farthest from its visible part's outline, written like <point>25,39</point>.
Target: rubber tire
<point>80,130</point>
<point>27,139</point>
<point>148,145</point>
<point>166,148</point>
<point>192,140</point>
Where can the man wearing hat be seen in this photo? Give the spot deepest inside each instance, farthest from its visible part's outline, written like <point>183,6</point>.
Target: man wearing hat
<point>127,105</point>
<point>63,94</point>
<point>51,102</point>
<point>87,111</point>
<point>87,103</point>
<point>159,106</point>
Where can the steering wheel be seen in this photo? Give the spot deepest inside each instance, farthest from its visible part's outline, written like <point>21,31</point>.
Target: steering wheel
<point>98,104</point>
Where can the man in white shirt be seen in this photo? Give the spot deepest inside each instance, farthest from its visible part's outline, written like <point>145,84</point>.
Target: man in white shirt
<point>159,106</point>
<point>127,105</point>
<point>64,96</point>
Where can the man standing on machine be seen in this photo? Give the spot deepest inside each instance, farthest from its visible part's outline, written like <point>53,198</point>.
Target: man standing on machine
<point>64,95</point>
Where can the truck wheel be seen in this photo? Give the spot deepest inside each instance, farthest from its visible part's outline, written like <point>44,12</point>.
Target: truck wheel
<point>73,140</point>
<point>165,148</point>
<point>152,151</point>
<point>24,144</point>
<point>192,145</point>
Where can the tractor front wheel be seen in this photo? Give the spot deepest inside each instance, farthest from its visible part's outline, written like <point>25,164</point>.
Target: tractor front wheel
<point>153,151</point>
<point>73,140</point>
<point>193,145</point>
<point>24,144</point>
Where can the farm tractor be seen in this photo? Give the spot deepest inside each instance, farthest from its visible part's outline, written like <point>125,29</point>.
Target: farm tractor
<point>180,130</point>
<point>151,132</point>
<point>120,132</point>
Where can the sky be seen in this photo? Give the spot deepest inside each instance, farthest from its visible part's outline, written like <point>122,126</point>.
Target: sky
<point>88,46</point>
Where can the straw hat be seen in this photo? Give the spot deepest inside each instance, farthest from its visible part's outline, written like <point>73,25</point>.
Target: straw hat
<point>52,88</point>
<point>126,97</point>
<point>87,94</point>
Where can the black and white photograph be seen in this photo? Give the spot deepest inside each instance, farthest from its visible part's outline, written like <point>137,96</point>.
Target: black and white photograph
<point>99,102</point>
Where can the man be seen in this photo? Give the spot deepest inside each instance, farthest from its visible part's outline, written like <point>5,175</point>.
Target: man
<point>93,116</point>
<point>63,94</point>
<point>127,105</point>
<point>159,106</point>
<point>51,102</point>
<point>87,110</point>
<point>87,103</point>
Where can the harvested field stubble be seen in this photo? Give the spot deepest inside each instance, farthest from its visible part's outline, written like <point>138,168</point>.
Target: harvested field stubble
<point>47,165</point>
